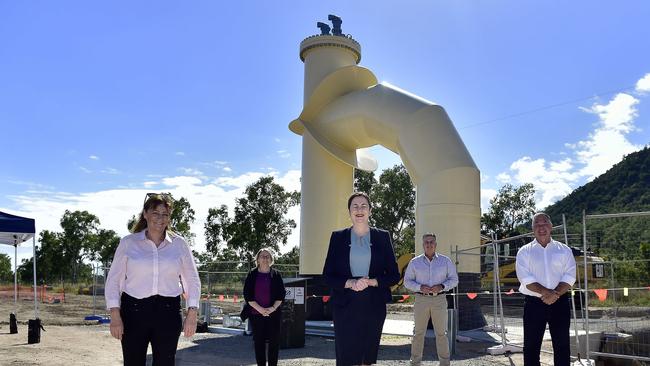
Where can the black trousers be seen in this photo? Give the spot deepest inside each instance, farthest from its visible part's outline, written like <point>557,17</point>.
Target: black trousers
<point>357,327</point>
<point>536,316</point>
<point>156,319</point>
<point>266,329</point>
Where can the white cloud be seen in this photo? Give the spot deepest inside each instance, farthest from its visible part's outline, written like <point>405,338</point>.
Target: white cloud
<point>552,180</point>
<point>179,153</point>
<point>227,169</point>
<point>93,157</point>
<point>284,154</point>
<point>85,170</point>
<point>239,181</point>
<point>643,85</point>
<point>504,178</point>
<point>608,143</point>
<point>605,146</point>
<point>181,181</point>
<point>110,170</point>
<point>149,184</point>
<point>31,185</point>
<point>486,196</point>
<point>116,206</point>
<point>193,172</point>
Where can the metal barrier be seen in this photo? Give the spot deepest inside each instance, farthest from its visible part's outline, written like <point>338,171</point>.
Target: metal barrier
<point>501,302</point>
<point>222,287</point>
<point>618,300</point>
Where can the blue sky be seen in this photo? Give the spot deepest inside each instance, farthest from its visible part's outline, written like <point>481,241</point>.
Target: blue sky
<point>102,102</point>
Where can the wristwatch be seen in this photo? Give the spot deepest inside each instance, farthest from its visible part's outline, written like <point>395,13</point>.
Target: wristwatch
<point>192,308</point>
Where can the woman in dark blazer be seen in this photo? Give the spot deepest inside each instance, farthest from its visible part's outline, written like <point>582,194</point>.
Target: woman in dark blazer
<point>264,292</point>
<point>360,268</point>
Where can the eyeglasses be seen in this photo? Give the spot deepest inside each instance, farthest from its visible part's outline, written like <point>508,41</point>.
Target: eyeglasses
<point>359,208</point>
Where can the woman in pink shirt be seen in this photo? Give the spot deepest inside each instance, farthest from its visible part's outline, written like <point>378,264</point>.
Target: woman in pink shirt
<point>143,287</point>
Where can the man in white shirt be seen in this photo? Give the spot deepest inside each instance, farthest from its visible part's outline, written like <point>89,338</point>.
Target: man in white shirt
<point>428,275</point>
<point>546,270</point>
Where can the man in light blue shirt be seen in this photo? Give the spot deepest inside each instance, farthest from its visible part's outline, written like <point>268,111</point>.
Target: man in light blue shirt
<point>428,275</point>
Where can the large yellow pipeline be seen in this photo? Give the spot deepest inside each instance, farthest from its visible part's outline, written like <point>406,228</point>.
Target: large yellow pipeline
<point>347,110</point>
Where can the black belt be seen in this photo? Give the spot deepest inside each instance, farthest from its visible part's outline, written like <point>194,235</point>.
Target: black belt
<point>431,294</point>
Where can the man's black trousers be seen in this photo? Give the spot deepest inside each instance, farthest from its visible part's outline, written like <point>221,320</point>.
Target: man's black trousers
<point>558,317</point>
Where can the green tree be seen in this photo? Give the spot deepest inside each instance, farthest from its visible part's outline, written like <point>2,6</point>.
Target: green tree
<point>103,245</point>
<point>61,255</point>
<point>364,181</point>
<point>393,204</point>
<point>290,257</point>
<point>644,253</point>
<point>259,221</point>
<point>79,229</point>
<point>216,230</point>
<point>6,274</point>
<point>393,207</point>
<point>48,259</point>
<point>181,218</point>
<point>512,206</point>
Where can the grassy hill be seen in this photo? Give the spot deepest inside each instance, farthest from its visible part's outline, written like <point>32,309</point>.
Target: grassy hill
<point>625,187</point>
<point>626,241</point>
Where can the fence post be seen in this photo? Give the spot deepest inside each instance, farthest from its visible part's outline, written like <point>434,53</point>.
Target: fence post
<point>498,289</point>
<point>586,287</point>
<point>495,286</point>
<point>456,288</point>
<point>573,302</point>
<point>94,289</point>
<point>209,286</point>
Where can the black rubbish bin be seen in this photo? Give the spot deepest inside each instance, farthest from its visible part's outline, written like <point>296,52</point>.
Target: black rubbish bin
<point>13,324</point>
<point>292,330</point>
<point>34,328</point>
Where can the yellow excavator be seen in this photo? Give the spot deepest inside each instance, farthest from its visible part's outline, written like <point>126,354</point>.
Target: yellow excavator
<point>508,273</point>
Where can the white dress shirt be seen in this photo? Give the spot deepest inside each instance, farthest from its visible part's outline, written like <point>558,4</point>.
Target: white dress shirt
<point>438,271</point>
<point>141,270</point>
<point>547,266</point>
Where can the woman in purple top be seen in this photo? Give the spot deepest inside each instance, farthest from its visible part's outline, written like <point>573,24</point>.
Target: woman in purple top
<point>263,294</point>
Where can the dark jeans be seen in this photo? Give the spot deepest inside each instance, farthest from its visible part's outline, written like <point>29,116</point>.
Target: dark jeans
<point>266,329</point>
<point>536,316</point>
<point>155,319</point>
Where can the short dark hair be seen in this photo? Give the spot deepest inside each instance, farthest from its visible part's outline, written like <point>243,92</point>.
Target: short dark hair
<point>359,194</point>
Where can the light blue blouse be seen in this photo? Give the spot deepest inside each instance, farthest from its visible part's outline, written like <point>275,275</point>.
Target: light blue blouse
<point>359,254</point>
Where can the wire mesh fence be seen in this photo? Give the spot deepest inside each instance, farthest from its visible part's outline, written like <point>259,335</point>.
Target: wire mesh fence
<point>618,296</point>
<point>610,299</point>
<point>222,285</point>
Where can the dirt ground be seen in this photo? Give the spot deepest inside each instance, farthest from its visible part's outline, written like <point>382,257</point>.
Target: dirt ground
<point>77,345</point>
<point>71,341</point>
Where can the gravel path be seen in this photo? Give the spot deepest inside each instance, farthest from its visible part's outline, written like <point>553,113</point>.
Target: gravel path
<point>77,345</point>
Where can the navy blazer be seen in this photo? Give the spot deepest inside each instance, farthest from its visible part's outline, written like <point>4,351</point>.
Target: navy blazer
<point>383,266</point>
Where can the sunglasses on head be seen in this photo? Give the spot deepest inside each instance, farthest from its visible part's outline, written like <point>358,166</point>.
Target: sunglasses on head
<point>161,196</point>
